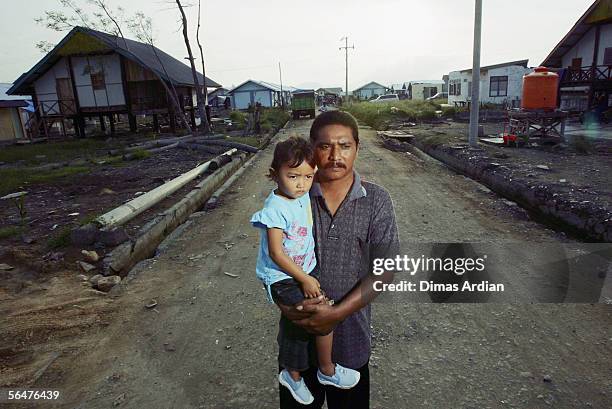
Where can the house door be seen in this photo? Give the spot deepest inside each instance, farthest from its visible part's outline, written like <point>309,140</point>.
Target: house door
<point>65,97</point>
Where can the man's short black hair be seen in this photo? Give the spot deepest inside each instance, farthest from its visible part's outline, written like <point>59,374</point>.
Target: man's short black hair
<point>334,118</point>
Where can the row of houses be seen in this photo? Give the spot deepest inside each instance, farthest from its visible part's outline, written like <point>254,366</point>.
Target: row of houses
<point>94,76</point>
<point>582,59</point>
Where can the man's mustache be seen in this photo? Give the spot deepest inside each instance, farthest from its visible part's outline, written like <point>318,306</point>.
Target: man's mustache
<point>335,165</point>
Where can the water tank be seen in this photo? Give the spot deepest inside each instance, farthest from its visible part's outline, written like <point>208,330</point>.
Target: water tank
<point>540,90</point>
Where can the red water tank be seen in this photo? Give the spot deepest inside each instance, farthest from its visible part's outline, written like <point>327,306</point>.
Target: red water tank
<point>540,90</point>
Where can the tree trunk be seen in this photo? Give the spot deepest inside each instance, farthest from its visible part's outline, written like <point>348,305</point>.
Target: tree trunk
<point>201,109</point>
<point>204,88</point>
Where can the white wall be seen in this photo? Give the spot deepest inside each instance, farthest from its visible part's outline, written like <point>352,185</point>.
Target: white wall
<point>605,41</point>
<point>417,89</point>
<point>583,49</point>
<point>45,87</point>
<point>369,90</point>
<point>251,93</point>
<point>112,94</point>
<point>514,73</point>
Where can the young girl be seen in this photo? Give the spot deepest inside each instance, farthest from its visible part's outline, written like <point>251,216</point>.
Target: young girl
<point>286,265</point>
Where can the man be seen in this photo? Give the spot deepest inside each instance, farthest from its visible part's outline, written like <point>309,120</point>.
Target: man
<point>354,221</point>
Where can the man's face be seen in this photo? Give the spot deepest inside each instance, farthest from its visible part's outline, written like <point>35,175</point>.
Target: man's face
<point>335,152</point>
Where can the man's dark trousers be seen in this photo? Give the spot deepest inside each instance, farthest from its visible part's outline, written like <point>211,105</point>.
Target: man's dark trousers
<point>357,397</point>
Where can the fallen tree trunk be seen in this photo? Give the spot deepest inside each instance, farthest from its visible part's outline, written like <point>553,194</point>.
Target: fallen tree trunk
<point>125,256</point>
<point>241,146</point>
<point>134,207</point>
<point>215,150</point>
<point>135,154</point>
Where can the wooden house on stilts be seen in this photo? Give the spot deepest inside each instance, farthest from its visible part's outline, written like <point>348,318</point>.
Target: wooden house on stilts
<point>91,75</point>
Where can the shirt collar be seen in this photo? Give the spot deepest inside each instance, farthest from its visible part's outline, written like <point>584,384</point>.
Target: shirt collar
<point>357,190</point>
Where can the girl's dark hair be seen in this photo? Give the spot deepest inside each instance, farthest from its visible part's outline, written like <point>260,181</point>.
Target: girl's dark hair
<point>292,152</point>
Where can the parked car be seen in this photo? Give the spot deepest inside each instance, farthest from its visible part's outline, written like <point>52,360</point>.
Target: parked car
<point>438,96</point>
<point>386,98</point>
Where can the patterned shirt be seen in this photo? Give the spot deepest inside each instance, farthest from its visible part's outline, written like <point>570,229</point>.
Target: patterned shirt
<point>294,218</point>
<point>364,224</point>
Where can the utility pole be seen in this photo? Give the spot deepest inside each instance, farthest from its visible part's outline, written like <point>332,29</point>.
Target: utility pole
<point>280,74</point>
<point>346,48</point>
<point>474,100</point>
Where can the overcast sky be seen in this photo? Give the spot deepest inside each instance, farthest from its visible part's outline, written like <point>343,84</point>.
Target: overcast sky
<point>395,40</point>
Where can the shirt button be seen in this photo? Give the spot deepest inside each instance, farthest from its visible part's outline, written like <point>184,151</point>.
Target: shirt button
<point>333,225</point>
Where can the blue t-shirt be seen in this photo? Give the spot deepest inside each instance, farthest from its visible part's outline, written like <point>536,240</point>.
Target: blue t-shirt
<point>294,218</point>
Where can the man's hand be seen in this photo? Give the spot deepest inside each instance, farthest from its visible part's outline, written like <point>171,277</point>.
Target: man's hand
<point>296,312</point>
<point>321,320</point>
<point>310,286</point>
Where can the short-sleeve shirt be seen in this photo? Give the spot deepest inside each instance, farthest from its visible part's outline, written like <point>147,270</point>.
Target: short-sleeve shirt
<point>294,218</point>
<point>363,226</point>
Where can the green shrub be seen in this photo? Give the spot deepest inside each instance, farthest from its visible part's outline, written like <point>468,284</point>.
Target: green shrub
<point>276,117</point>
<point>378,115</point>
<point>239,119</point>
<point>140,154</point>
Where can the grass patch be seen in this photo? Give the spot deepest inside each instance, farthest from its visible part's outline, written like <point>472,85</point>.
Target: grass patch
<point>239,119</point>
<point>9,231</point>
<point>273,118</point>
<point>140,154</point>
<point>12,180</point>
<point>60,239</point>
<point>52,151</point>
<point>378,115</point>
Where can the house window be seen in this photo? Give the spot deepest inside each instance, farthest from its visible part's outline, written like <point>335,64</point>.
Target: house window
<point>499,86</point>
<point>607,56</point>
<point>97,80</point>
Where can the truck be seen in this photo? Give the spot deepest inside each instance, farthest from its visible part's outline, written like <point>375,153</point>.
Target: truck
<point>303,103</point>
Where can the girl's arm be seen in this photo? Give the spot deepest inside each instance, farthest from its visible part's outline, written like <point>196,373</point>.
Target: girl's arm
<point>309,284</point>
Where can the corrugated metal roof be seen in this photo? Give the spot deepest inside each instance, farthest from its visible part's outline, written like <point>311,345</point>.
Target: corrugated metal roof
<point>11,100</point>
<point>269,85</point>
<point>522,63</point>
<point>143,54</point>
<point>369,83</point>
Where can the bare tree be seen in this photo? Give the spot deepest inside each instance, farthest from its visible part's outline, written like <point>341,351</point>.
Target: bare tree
<point>103,18</point>
<point>142,27</point>
<point>196,82</point>
<point>204,88</point>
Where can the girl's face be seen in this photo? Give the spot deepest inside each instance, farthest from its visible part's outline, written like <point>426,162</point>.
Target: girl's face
<point>294,182</point>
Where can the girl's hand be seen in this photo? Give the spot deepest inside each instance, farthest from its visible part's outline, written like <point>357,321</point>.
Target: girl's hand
<point>310,287</point>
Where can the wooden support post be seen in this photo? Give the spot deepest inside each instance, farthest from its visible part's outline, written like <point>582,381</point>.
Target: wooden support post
<point>81,126</point>
<point>133,124</point>
<point>193,119</point>
<point>155,124</point>
<point>111,119</point>
<point>172,120</point>
<point>102,123</point>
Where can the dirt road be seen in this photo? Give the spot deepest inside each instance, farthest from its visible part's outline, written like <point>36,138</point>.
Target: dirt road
<point>210,342</point>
